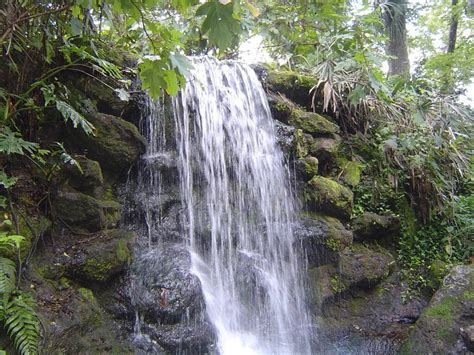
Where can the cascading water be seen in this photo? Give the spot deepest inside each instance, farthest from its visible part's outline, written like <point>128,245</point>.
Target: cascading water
<point>239,212</point>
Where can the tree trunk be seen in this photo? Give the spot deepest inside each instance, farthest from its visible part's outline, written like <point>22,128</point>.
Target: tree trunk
<point>453,27</point>
<point>395,27</point>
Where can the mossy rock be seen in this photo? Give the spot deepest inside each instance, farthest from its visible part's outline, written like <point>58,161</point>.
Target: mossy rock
<point>358,268</point>
<point>301,143</point>
<point>102,260</point>
<point>325,149</point>
<point>371,226</point>
<point>90,181</point>
<point>294,86</point>
<point>350,171</point>
<point>307,167</point>
<point>312,123</point>
<point>81,212</point>
<point>328,196</point>
<point>103,95</point>
<point>437,272</point>
<point>438,330</point>
<point>361,267</point>
<point>288,112</point>
<point>338,237</point>
<point>116,144</point>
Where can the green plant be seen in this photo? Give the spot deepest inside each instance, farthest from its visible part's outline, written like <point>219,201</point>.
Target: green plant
<point>17,308</point>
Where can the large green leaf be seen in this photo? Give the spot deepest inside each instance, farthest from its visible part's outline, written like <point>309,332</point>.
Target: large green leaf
<point>220,25</point>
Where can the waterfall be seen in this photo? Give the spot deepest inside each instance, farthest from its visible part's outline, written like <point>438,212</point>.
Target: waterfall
<point>238,212</point>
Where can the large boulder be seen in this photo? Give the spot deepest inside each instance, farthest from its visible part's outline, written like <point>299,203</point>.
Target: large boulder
<point>116,144</point>
<point>80,212</point>
<point>108,256</point>
<point>322,238</point>
<point>88,179</point>
<point>371,226</point>
<point>163,288</point>
<point>168,296</point>
<point>329,197</point>
<point>310,122</point>
<point>358,268</point>
<point>442,327</point>
<point>293,85</point>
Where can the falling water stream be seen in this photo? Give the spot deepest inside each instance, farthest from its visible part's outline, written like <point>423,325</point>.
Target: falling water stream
<point>239,212</point>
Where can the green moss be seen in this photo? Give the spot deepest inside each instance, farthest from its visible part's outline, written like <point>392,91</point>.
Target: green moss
<point>337,285</point>
<point>333,244</point>
<point>311,165</point>
<point>469,295</point>
<point>300,143</point>
<point>311,122</point>
<point>330,197</point>
<point>352,172</point>
<point>122,251</point>
<point>437,271</point>
<point>407,347</point>
<point>96,270</point>
<point>442,310</point>
<point>86,294</point>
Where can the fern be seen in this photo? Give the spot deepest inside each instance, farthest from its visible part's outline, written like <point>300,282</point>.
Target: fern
<point>7,277</point>
<point>17,309</point>
<point>22,323</point>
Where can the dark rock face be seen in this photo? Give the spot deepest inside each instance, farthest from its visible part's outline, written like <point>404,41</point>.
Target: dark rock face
<point>442,327</point>
<point>168,296</point>
<point>103,260</point>
<point>357,268</point>
<point>116,144</point>
<point>88,180</point>
<point>79,211</point>
<point>371,226</point>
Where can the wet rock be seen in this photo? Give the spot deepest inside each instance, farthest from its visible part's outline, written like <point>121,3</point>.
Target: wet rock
<point>79,212</point>
<point>371,226</point>
<point>294,86</point>
<point>358,268</point>
<point>285,137</point>
<point>169,299</point>
<point>307,167</point>
<point>102,260</point>
<point>116,144</point>
<point>90,181</point>
<point>163,287</point>
<point>451,308</point>
<point>182,338</point>
<point>467,335</point>
<point>322,238</point>
<point>378,313</point>
<point>329,197</point>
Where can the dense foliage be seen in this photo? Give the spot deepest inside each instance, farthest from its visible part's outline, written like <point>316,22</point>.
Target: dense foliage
<point>411,133</point>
